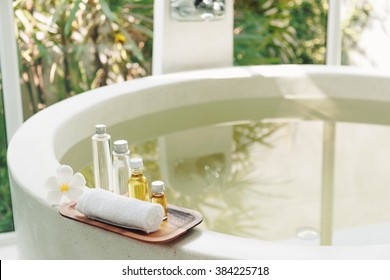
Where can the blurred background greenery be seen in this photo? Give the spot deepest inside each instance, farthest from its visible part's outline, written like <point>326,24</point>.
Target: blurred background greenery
<point>6,223</point>
<point>70,46</point>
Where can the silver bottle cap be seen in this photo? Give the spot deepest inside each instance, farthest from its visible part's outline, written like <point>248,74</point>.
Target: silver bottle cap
<point>100,129</point>
<point>158,186</point>
<point>136,163</point>
<point>121,146</point>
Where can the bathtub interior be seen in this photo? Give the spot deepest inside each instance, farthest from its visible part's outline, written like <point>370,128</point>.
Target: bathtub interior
<point>254,166</point>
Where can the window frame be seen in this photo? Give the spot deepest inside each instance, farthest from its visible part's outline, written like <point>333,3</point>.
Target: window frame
<point>13,112</point>
<point>333,33</point>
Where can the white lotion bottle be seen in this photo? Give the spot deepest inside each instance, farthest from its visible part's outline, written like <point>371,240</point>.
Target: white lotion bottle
<point>102,162</point>
<point>121,167</point>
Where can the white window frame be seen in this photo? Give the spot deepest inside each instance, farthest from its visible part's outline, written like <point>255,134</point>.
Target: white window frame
<point>12,98</point>
<point>333,33</point>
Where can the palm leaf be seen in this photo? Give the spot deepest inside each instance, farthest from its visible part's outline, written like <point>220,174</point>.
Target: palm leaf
<point>107,11</point>
<point>68,25</point>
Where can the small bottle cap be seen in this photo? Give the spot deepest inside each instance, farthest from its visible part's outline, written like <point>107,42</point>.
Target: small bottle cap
<point>158,186</point>
<point>136,163</point>
<point>100,129</point>
<point>121,147</point>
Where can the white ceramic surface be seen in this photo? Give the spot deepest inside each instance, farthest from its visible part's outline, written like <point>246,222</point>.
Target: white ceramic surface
<point>300,92</point>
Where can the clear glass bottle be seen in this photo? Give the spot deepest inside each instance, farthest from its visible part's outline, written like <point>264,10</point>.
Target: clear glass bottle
<point>102,162</point>
<point>121,167</point>
<point>158,196</point>
<point>138,184</point>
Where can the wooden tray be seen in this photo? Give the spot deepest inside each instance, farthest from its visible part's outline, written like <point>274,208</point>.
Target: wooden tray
<point>179,221</point>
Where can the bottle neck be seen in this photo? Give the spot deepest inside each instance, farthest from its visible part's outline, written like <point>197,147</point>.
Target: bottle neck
<point>101,137</point>
<point>136,171</point>
<point>120,154</point>
<point>158,193</point>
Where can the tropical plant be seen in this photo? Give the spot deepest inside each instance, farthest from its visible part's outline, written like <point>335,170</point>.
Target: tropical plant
<point>263,33</point>
<point>6,223</point>
<point>67,47</point>
<point>309,19</point>
<point>291,31</point>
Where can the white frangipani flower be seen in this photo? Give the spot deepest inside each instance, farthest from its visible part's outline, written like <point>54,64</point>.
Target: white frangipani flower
<point>65,184</point>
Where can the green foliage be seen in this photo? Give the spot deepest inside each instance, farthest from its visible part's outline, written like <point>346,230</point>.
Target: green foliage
<point>276,32</point>
<point>6,223</point>
<point>6,218</point>
<point>309,20</point>
<point>67,47</point>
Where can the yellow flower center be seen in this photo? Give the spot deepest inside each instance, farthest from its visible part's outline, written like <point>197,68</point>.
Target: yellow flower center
<point>64,187</point>
<point>119,38</point>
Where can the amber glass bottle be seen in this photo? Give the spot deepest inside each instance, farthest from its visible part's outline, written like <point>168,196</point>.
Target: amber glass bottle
<point>138,184</point>
<point>158,196</point>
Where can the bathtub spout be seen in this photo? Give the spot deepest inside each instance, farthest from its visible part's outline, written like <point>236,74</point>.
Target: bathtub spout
<point>197,10</point>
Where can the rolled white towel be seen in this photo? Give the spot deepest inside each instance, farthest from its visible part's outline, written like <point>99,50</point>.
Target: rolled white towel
<point>120,210</point>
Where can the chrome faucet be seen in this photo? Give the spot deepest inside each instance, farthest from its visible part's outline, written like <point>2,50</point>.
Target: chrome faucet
<point>197,10</point>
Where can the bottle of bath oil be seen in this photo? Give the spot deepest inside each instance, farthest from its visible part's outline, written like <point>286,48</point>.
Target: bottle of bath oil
<point>138,184</point>
<point>158,196</point>
<point>121,167</point>
<point>102,162</point>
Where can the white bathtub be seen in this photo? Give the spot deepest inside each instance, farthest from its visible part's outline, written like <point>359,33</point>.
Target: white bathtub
<point>48,139</point>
